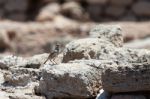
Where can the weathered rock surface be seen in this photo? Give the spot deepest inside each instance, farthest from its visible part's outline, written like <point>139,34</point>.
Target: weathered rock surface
<point>88,48</point>
<point>128,76</point>
<point>48,12</point>
<point>16,80</point>
<point>9,61</point>
<point>35,61</point>
<point>73,10</point>
<point>78,79</point>
<point>26,92</point>
<point>103,40</point>
<point>111,33</point>
<point>88,65</point>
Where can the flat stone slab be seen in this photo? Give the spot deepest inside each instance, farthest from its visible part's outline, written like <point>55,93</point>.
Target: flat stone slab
<point>130,76</point>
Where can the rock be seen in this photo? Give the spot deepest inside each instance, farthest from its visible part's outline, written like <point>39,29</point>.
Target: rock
<point>115,11</point>
<point>16,80</point>
<point>128,97</point>
<point>1,77</point>
<point>78,79</point>
<point>103,40</point>
<point>111,33</point>
<point>48,12</point>
<point>19,92</point>
<point>139,44</point>
<point>34,74</point>
<point>3,65</point>
<point>134,31</point>
<point>21,76</point>
<point>130,75</point>
<point>88,48</point>
<point>62,23</point>
<point>141,8</point>
<point>25,97</point>
<point>35,61</point>
<point>121,3</point>
<point>9,61</point>
<point>73,10</point>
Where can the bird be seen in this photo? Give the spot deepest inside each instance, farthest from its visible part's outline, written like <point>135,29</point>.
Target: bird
<point>53,54</point>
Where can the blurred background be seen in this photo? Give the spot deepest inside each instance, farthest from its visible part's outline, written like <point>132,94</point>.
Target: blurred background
<point>29,27</point>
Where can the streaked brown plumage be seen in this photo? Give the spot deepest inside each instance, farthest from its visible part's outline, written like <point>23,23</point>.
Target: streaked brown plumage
<point>54,54</point>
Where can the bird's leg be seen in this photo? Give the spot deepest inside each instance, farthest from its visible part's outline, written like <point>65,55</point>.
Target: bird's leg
<point>46,60</point>
<point>53,61</point>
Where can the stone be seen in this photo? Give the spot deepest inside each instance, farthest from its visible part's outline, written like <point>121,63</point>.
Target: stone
<point>115,11</point>
<point>11,61</point>
<point>1,77</point>
<point>131,74</point>
<point>48,12</point>
<point>93,47</point>
<point>88,48</point>
<point>73,10</point>
<point>78,79</point>
<point>16,80</point>
<point>35,61</point>
<point>25,97</point>
<point>21,76</point>
<point>141,8</point>
<point>19,92</point>
<point>132,30</point>
<point>138,44</point>
<point>128,97</point>
<point>3,65</point>
<point>111,33</point>
<point>121,3</point>
<point>34,74</point>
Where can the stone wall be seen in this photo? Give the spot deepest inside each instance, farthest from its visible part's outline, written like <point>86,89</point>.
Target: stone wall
<point>98,10</point>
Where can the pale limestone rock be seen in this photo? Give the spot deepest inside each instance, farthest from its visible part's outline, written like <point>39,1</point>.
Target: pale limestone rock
<point>72,80</point>
<point>131,74</point>
<point>111,33</point>
<point>88,48</point>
